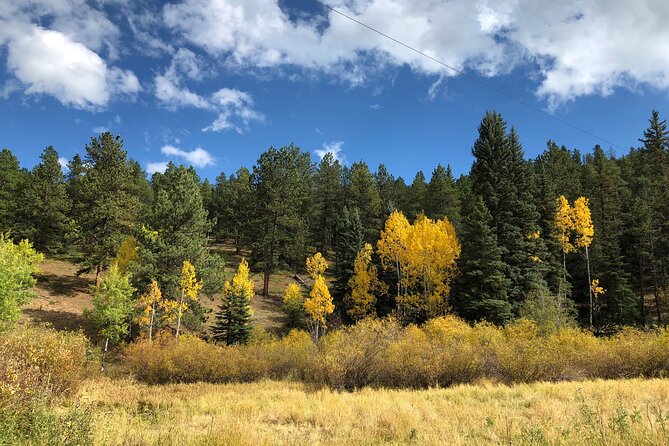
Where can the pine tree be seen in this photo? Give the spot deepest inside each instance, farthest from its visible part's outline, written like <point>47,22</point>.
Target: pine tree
<point>175,229</point>
<point>502,177</point>
<point>327,201</point>
<point>417,196</point>
<point>388,191</point>
<point>234,207</point>
<point>441,198</point>
<point>50,204</point>
<point>363,194</point>
<point>233,320</point>
<point>481,289</point>
<point>108,205</point>
<point>14,181</point>
<point>348,241</point>
<point>606,188</point>
<point>281,181</point>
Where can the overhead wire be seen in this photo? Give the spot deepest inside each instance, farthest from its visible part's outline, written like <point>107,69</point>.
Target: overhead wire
<point>470,77</point>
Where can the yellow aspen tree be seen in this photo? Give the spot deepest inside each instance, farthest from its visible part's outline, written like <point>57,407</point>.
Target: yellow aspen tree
<point>564,223</point>
<point>364,284</point>
<point>148,303</point>
<point>391,247</point>
<point>597,289</point>
<point>293,302</point>
<point>126,254</point>
<point>585,231</point>
<point>431,251</point>
<point>190,288</point>
<point>316,265</point>
<point>318,306</point>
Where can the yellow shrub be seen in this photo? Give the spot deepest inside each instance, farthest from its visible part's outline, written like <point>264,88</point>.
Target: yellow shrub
<point>41,362</point>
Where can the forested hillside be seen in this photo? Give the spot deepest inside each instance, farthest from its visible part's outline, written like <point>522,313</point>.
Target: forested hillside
<point>567,236</point>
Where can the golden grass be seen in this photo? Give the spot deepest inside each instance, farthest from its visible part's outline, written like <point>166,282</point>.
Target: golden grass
<point>624,412</point>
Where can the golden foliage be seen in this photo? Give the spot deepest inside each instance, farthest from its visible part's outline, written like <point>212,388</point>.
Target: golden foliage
<point>319,304</point>
<point>316,265</point>
<point>364,285</point>
<point>423,255</point>
<point>597,289</point>
<point>189,285</point>
<point>583,226</point>
<point>564,222</point>
<point>147,303</point>
<point>126,254</point>
<point>240,285</point>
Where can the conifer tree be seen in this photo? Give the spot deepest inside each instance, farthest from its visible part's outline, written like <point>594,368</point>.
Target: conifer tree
<point>327,201</point>
<point>481,289</point>
<point>233,320</point>
<point>388,191</point>
<point>441,199</point>
<point>348,241</point>
<point>234,207</point>
<point>108,205</point>
<point>281,181</point>
<point>14,180</point>
<point>501,176</point>
<point>363,194</point>
<point>49,203</point>
<point>417,196</point>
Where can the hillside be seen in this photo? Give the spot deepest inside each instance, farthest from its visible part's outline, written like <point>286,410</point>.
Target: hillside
<point>63,296</point>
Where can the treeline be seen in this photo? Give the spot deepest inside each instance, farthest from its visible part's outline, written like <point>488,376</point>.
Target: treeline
<point>502,251</point>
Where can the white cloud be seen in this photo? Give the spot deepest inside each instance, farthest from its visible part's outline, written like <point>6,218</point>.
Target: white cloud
<point>159,166</point>
<point>100,129</point>
<point>234,107</point>
<point>49,62</point>
<point>333,147</point>
<point>63,163</point>
<point>574,48</point>
<point>197,157</point>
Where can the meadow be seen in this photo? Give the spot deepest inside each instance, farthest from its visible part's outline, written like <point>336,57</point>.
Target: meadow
<point>624,412</point>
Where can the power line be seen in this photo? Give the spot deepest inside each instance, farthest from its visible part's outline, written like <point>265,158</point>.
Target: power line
<point>469,76</point>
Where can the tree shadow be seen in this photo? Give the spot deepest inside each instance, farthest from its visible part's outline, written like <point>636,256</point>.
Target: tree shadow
<point>64,285</point>
<point>62,320</point>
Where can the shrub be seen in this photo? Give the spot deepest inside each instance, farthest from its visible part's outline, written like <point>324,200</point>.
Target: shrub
<point>41,363</point>
<point>379,352</point>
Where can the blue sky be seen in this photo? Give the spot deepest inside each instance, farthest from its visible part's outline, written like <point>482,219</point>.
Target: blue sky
<point>216,82</point>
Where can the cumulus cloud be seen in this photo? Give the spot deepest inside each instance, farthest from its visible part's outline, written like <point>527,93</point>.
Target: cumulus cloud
<point>159,167</point>
<point>62,48</point>
<point>334,148</point>
<point>234,106</point>
<point>197,157</point>
<point>573,48</point>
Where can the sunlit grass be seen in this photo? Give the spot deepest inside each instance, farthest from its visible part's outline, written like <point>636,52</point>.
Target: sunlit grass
<point>593,413</point>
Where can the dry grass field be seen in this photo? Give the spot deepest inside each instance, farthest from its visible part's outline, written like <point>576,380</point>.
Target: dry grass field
<point>626,412</point>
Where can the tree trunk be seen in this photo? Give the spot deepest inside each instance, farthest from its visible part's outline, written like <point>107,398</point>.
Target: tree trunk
<point>98,272</point>
<point>104,355</point>
<point>181,303</point>
<point>587,258</point>
<point>265,283</point>
<point>642,305</point>
<point>153,312</point>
